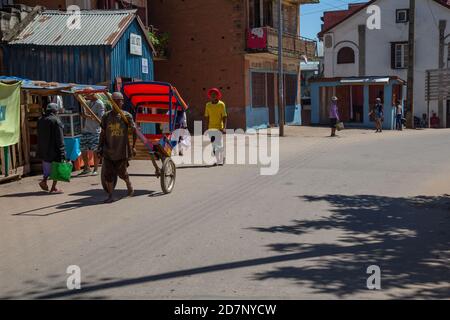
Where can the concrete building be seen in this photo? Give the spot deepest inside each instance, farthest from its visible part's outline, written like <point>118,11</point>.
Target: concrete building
<point>232,45</point>
<point>351,49</point>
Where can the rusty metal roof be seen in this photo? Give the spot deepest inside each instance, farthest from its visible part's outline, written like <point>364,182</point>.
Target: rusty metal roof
<point>60,28</point>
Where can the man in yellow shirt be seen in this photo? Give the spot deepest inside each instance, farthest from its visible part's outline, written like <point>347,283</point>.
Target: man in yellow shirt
<point>216,116</point>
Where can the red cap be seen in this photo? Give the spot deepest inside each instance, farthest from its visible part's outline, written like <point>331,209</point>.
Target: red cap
<point>217,91</point>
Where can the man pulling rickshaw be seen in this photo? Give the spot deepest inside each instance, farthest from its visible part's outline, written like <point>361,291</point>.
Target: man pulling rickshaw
<point>114,147</point>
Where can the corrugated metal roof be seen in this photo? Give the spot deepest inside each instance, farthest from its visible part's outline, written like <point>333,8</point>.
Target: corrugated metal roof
<point>97,27</point>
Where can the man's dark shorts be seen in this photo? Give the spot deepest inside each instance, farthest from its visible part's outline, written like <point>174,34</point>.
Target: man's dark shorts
<point>114,168</point>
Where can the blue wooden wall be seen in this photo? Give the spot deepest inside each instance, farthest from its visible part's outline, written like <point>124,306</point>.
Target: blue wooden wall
<point>79,64</point>
<point>124,64</point>
<point>69,64</point>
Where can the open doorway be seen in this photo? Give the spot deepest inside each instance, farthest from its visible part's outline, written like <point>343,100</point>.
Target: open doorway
<point>357,104</point>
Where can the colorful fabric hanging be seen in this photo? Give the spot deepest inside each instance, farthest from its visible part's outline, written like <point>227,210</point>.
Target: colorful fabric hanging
<point>9,114</point>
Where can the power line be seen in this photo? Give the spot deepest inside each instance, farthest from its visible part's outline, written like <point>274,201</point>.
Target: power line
<point>321,10</point>
<point>330,6</point>
<point>333,5</point>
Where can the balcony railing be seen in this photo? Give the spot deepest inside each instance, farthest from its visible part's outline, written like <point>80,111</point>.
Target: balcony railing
<point>266,40</point>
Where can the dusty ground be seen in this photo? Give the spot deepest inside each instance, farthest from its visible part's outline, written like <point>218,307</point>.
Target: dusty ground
<point>336,206</point>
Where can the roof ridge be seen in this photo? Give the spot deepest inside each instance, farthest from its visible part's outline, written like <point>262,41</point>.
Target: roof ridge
<point>51,28</point>
<point>322,32</point>
<point>90,12</point>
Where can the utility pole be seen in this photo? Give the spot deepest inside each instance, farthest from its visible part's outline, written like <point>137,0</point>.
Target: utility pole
<point>411,49</point>
<point>280,70</point>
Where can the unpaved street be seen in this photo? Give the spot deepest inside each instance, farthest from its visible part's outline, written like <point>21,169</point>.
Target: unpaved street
<point>336,206</point>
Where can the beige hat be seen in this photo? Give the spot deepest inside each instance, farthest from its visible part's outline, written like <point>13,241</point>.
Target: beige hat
<point>334,98</point>
<point>89,94</point>
<point>117,96</point>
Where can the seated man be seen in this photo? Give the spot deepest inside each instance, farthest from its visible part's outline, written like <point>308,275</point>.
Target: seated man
<point>424,121</point>
<point>434,121</point>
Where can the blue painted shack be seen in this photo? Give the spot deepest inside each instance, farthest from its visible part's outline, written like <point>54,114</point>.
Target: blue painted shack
<point>105,47</point>
<point>357,98</point>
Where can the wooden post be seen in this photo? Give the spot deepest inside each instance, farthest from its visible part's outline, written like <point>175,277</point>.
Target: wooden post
<point>442,114</point>
<point>25,136</point>
<point>428,96</point>
<point>411,48</point>
<point>116,107</point>
<point>6,153</point>
<point>280,70</point>
<point>85,107</point>
<point>13,156</point>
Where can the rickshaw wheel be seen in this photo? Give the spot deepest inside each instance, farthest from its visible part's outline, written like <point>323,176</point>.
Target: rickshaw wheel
<point>168,175</point>
<point>104,181</point>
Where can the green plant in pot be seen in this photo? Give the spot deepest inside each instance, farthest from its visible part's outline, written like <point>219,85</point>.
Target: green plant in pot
<point>160,42</point>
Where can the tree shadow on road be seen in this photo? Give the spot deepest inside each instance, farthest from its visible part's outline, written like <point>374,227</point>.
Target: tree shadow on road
<point>408,238</point>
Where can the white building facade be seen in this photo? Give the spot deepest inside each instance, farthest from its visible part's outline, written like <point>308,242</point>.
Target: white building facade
<point>352,48</point>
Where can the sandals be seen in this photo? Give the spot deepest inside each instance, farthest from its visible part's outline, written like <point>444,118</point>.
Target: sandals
<point>43,186</point>
<point>56,191</point>
<point>85,172</point>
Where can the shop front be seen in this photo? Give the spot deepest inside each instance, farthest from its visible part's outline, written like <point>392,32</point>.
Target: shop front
<point>356,99</point>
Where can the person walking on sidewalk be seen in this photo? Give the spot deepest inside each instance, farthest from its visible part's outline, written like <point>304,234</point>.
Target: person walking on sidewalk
<point>50,144</point>
<point>115,148</point>
<point>398,115</point>
<point>333,115</point>
<point>90,134</point>
<point>378,112</point>
<point>216,117</point>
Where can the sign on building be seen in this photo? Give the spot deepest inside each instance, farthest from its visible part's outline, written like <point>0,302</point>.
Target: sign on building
<point>135,44</point>
<point>437,84</point>
<point>144,65</point>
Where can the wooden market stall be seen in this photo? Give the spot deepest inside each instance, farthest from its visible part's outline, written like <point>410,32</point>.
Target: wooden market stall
<point>22,158</point>
<point>15,159</point>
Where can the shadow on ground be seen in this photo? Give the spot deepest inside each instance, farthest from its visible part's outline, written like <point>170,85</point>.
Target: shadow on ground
<point>86,198</point>
<point>408,238</point>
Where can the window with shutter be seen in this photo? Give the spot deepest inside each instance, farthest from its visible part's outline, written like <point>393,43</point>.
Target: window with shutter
<point>399,55</point>
<point>402,15</point>
<point>254,14</point>
<point>290,84</point>
<point>290,19</point>
<point>448,55</point>
<point>258,90</point>
<point>346,55</point>
<point>268,13</point>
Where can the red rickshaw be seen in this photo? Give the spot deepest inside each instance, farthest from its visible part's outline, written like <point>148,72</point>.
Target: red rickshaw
<point>153,102</point>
